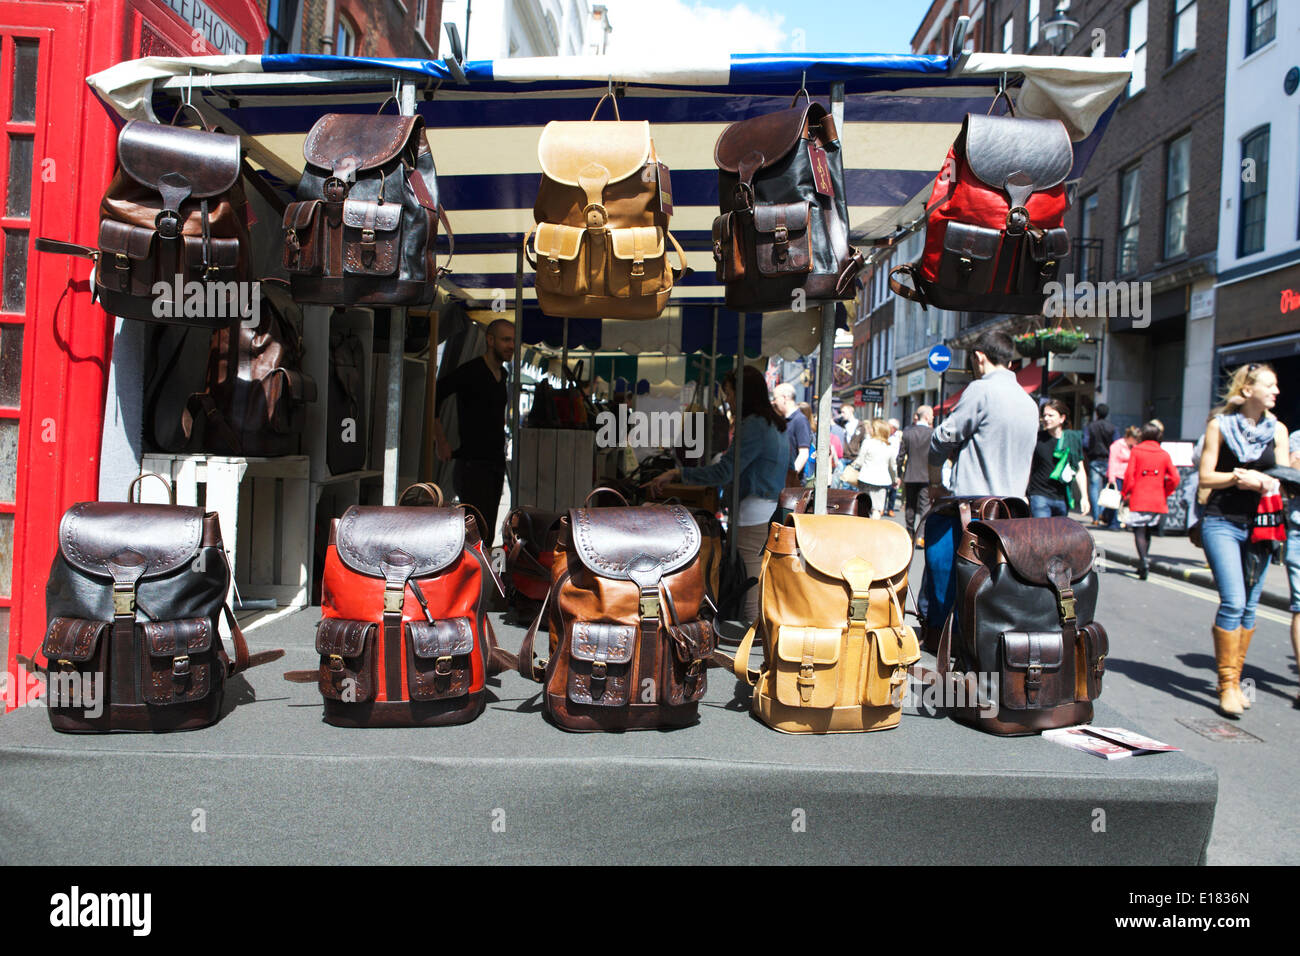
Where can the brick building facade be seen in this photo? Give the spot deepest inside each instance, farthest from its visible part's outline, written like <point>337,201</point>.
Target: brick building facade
<point>382,28</point>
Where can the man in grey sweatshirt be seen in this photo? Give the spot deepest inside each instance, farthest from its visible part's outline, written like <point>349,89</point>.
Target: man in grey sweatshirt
<point>993,429</point>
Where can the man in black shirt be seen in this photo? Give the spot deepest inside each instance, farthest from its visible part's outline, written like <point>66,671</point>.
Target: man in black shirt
<point>480,387</point>
<point>1097,439</point>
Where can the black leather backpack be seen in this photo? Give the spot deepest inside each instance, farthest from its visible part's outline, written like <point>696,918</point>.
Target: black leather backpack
<point>785,221</point>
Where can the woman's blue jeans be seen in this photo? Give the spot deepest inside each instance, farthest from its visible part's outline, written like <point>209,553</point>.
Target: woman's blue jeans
<point>1225,547</point>
<point>1041,506</point>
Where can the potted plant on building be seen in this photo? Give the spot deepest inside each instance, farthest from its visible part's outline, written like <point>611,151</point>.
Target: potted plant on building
<point>1030,344</point>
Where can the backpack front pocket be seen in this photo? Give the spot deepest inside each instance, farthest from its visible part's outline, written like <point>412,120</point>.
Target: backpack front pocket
<point>438,664</point>
<point>806,671</point>
<point>600,656</point>
<point>347,667</point>
<point>178,662</point>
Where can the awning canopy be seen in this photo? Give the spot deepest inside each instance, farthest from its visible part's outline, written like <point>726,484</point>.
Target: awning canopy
<point>901,114</point>
<point>1030,378</point>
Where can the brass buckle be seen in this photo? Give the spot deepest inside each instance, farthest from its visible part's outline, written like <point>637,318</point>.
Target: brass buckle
<point>368,237</point>
<point>393,601</point>
<point>782,234</point>
<point>555,266</point>
<point>806,674</point>
<point>336,662</point>
<point>693,669</point>
<point>1034,673</point>
<point>211,271</point>
<point>1067,608</point>
<point>601,673</point>
<point>442,666</point>
<point>592,208</point>
<point>121,260</point>
<point>638,267</point>
<point>649,607</point>
<point>123,602</point>
<point>181,665</point>
<point>1017,220</point>
<point>858,605</point>
<point>65,663</point>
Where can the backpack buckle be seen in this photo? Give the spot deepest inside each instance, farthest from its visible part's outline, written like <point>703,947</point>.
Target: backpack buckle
<point>638,267</point>
<point>393,601</point>
<point>1017,220</point>
<point>442,666</point>
<point>598,670</point>
<point>858,605</point>
<point>181,665</point>
<point>591,211</point>
<point>123,600</point>
<point>554,265</point>
<point>121,260</point>
<point>1065,603</point>
<point>335,190</point>
<point>168,224</point>
<point>336,662</point>
<point>649,607</point>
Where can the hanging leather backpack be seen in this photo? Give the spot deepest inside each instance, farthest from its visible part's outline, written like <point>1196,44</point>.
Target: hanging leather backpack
<point>785,221</point>
<point>1025,633</point>
<point>174,215</point>
<point>628,648</point>
<point>404,639</point>
<point>602,215</point>
<point>133,602</point>
<point>255,403</point>
<point>995,221</point>
<point>836,651</point>
<point>364,228</point>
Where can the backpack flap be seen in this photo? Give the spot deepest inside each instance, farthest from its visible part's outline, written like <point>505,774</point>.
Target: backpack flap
<point>348,143</point>
<point>828,543</point>
<point>432,537</point>
<point>610,541</point>
<point>637,261</point>
<point>970,255</point>
<point>590,155</point>
<point>178,661</point>
<point>178,163</point>
<point>71,641</point>
<point>1052,552</point>
<point>93,533</point>
<point>1016,155</point>
<point>438,658</point>
<point>805,665</point>
<point>371,236</point>
<point>753,144</point>
<point>599,659</point>
<point>1032,676</point>
<point>347,650</point>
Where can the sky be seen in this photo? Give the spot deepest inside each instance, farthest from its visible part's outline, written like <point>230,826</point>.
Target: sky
<point>764,26</point>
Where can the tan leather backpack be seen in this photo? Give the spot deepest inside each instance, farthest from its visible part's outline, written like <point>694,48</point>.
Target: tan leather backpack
<point>602,220</point>
<point>835,648</point>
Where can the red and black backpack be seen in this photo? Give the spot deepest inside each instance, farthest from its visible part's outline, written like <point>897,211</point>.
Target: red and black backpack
<point>404,639</point>
<point>994,233</point>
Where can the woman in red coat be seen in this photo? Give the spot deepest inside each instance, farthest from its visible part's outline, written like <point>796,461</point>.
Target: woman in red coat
<point>1150,478</point>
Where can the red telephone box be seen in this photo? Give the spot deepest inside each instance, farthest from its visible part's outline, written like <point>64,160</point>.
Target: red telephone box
<point>57,157</point>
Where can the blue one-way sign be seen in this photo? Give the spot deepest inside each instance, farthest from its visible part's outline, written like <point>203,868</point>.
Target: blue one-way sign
<point>939,359</point>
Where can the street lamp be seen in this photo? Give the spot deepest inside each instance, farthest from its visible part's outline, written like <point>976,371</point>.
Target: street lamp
<point>1060,30</point>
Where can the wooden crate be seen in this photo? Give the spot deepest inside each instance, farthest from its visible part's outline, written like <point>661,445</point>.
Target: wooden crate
<point>265,507</point>
<point>556,466</point>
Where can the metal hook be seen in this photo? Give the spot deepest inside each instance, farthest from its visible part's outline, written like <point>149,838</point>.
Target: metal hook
<point>1002,84</point>
<point>610,90</point>
<point>189,90</point>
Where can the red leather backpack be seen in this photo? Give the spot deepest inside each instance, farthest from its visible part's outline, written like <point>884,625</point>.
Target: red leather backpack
<point>404,639</point>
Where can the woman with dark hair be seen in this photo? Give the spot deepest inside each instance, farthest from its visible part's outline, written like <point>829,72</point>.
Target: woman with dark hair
<point>1055,467</point>
<point>1148,481</point>
<point>1243,440</point>
<point>764,457</point>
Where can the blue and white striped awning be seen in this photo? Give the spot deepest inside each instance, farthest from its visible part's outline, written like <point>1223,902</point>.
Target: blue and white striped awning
<point>901,113</point>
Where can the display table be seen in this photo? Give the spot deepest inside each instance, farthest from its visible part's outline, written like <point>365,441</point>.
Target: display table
<point>271,783</point>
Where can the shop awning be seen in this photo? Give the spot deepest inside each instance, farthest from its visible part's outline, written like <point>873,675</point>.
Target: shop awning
<point>901,114</point>
<point>1030,378</point>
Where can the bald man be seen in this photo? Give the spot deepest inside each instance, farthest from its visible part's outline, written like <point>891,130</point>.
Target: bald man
<point>797,429</point>
<point>480,388</point>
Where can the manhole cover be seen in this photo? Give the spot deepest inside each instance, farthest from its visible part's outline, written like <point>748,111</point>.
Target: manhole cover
<point>1219,729</point>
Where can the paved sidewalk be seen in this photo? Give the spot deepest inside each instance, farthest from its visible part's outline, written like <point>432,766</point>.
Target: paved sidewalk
<point>1176,557</point>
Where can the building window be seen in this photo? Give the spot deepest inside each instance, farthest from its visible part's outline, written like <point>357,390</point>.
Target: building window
<point>1184,30</point>
<point>1254,192</point>
<point>1008,35</point>
<point>1130,203</point>
<point>1089,270</point>
<point>1178,177</point>
<point>1137,45</point>
<point>1261,23</point>
<point>345,38</point>
<point>1032,14</point>
<point>280,17</point>
<point>421,15</point>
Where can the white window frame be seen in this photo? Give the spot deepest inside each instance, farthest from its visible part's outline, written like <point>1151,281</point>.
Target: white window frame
<point>1184,10</point>
<point>1136,46</point>
<point>1134,226</point>
<point>1009,35</point>
<point>1032,11</point>
<point>1183,198</point>
<point>344,37</point>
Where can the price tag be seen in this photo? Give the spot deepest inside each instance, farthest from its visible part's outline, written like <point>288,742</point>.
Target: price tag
<point>665,190</point>
<point>821,171</point>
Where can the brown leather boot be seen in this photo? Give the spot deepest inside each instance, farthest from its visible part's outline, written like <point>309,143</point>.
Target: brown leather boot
<point>1225,656</point>
<point>1243,645</point>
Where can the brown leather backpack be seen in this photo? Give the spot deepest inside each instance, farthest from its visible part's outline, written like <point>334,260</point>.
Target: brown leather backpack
<point>257,394</point>
<point>628,649</point>
<point>1024,638</point>
<point>133,601</point>
<point>364,229</point>
<point>836,651</point>
<point>784,225</point>
<point>175,208</point>
<point>839,501</point>
<point>602,220</point>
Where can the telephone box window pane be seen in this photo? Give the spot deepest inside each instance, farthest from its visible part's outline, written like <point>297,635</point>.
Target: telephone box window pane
<point>14,298</point>
<point>6,554</point>
<point>19,201</point>
<point>23,108</point>
<point>8,460</point>
<point>11,365</point>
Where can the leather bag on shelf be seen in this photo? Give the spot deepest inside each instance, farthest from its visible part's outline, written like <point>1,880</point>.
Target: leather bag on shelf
<point>404,639</point>
<point>836,650</point>
<point>628,646</point>
<point>784,223</point>
<point>839,501</point>
<point>1026,633</point>
<point>364,228</point>
<point>174,213</point>
<point>529,536</point>
<point>132,604</point>
<point>602,215</point>
<point>995,220</point>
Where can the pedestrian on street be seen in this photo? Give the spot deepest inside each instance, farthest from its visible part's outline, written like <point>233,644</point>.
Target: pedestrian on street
<point>1148,482</point>
<point>1055,465</point>
<point>1243,439</point>
<point>1098,437</point>
<point>877,467</point>
<point>991,427</point>
<point>895,443</point>
<point>797,430</point>
<point>1120,450</point>
<point>1293,558</point>
<point>914,465</point>
<point>481,393</point>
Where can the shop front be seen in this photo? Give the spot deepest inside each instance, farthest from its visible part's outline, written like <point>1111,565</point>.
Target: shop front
<point>1258,320</point>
